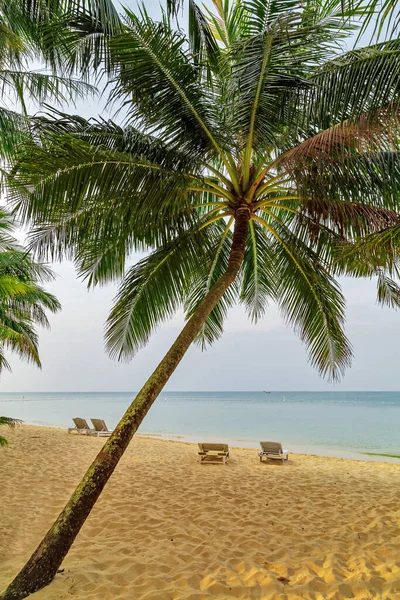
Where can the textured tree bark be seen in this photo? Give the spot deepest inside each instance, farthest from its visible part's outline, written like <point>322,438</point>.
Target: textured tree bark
<point>41,568</point>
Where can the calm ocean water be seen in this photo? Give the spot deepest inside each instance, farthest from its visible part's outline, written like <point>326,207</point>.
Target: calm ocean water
<point>303,421</point>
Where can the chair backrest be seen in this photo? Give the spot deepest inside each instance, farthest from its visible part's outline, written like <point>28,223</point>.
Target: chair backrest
<point>80,423</point>
<point>99,425</point>
<point>271,447</point>
<point>206,447</point>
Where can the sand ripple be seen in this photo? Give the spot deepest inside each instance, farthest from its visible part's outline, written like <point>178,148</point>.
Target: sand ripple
<point>166,528</point>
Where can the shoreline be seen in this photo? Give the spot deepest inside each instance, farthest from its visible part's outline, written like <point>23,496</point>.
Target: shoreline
<point>345,425</point>
<point>293,449</point>
<point>252,445</point>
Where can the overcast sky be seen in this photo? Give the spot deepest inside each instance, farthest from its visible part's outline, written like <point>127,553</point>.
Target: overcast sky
<point>264,357</point>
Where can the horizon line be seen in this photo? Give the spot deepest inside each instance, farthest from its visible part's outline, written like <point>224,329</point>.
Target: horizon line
<point>197,391</point>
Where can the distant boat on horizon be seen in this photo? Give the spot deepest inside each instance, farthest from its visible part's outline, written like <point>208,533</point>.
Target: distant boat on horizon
<point>266,392</point>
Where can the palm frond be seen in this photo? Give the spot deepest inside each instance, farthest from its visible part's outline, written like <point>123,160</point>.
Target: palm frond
<point>360,81</point>
<point>150,293</point>
<point>388,291</point>
<point>61,31</point>
<point>97,190</point>
<point>14,128</point>
<point>10,421</point>
<point>7,420</point>
<point>212,267</point>
<point>383,14</point>
<point>257,285</point>
<point>357,161</point>
<point>204,47</point>
<point>273,73</point>
<point>43,87</point>
<point>23,302</point>
<point>311,301</point>
<point>159,83</point>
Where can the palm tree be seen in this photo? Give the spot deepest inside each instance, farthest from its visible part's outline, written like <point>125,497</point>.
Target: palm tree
<point>256,157</point>
<point>23,302</point>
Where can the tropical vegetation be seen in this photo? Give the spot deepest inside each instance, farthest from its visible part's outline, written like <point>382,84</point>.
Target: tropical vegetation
<point>11,423</point>
<point>23,302</point>
<point>27,35</point>
<point>258,161</point>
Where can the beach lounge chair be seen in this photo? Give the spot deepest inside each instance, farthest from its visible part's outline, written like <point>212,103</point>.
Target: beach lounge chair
<point>81,426</point>
<point>100,428</point>
<point>273,450</point>
<point>213,453</point>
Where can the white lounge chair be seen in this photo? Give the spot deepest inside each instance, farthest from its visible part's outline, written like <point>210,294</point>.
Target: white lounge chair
<point>100,428</point>
<point>213,453</point>
<point>273,451</point>
<point>81,426</point>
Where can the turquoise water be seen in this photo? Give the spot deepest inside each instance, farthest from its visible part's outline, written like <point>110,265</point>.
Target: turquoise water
<point>309,421</point>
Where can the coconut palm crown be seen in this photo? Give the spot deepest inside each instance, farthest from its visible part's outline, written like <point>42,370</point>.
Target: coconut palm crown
<point>260,110</point>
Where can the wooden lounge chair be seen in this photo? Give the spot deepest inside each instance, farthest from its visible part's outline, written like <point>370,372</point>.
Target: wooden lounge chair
<point>273,450</point>
<point>81,426</point>
<point>213,453</point>
<point>100,428</point>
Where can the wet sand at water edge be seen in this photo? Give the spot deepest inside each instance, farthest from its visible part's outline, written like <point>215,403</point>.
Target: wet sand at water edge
<point>168,528</point>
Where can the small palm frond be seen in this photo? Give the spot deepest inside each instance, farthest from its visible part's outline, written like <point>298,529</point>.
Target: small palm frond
<point>7,420</point>
<point>10,421</point>
<point>212,267</point>
<point>42,87</point>
<point>257,284</point>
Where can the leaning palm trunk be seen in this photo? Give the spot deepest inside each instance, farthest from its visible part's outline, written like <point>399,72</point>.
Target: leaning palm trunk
<point>41,568</point>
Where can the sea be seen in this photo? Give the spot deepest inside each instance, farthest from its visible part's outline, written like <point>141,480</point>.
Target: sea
<point>342,424</point>
<point>339,424</point>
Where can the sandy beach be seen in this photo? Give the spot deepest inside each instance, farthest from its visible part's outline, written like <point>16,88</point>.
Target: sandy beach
<point>167,528</point>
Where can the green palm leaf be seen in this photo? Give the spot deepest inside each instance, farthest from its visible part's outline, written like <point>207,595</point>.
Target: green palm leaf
<point>158,83</point>
<point>23,302</point>
<point>150,293</point>
<point>257,285</point>
<point>212,267</point>
<point>311,301</point>
<point>354,83</point>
